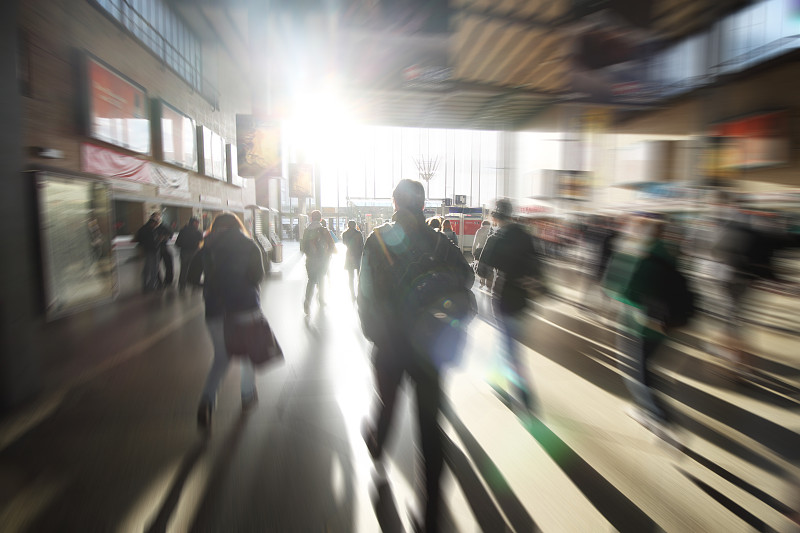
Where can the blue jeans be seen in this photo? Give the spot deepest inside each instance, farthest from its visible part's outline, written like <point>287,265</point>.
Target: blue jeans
<point>512,367</point>
<point>640,349</point>
<point>220,365</point>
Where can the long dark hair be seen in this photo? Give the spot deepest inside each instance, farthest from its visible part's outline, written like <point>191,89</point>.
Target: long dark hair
<point>223,222</point>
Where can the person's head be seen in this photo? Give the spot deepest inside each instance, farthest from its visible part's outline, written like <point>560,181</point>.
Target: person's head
<point>316,216</point>
<point>351,224</point>
<point>155,218</point>
<point>226,221</point>
<point>503,211</point>
<point>194,221</point>
<point>446,225</point>
<point>434,223</point>
<point>409,195</point>
<point>324,223</point>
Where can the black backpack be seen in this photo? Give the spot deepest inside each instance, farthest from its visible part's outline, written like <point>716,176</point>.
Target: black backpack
<point>434,306</point>
<point>676,301</point>
<point>315,243</point>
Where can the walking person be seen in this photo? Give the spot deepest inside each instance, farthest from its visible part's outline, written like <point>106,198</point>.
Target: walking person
<point>386,294</point>
<point>354,241</point>
<point>163,236</point>
<point>477,249</point>
<point>317,245</point>
<point>643,275</point>
<point>447,229</point>
<point>233,270</point>
<point>513,256</point>
<point>148,244</point>
<point>188,242</point>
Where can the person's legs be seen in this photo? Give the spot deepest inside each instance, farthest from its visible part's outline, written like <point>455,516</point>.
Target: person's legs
<point>220,364</point>
<point>150,271</point>
<point>351,274</point>
<point>186,258</point>
<point>169,271</point>
<point>248,382</point>
<point>428,393</point>
<point>640,350</point>
<point>312,281</point>
<point>388,374</point>
<point>511,328</point>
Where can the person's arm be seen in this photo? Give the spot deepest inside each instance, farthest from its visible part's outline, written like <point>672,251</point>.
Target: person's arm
<point>255,266</point>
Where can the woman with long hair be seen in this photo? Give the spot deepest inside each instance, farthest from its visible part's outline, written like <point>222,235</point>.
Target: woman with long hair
<point>233,271</point>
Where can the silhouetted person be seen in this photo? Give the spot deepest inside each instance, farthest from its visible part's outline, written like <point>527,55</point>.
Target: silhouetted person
<point>382,302</point>
<point>163,235</point>
<point>478,245</point>
<point>317,245</point>
<point>511,252</point>
<point>148,242</point>
<point>354,241</point>
<point>232,269</point>
<point>639,276</point>
<point>447,229</point>
<point>188,242</point>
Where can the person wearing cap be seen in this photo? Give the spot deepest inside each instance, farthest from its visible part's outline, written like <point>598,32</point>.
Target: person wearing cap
<point>188,242</point>
<point>511,253</point>
<point>147,239</point>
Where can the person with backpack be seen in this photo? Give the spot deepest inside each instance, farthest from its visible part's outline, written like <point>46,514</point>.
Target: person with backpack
<point>512,254</point>
<point>354,241</point>
<point>644,276</point>
<point>317,245</point>
<point>414,302</point>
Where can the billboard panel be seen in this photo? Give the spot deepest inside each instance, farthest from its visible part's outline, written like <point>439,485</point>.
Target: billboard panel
<point>301,179</point>
<point>117,109</point>
<point>258,145</point>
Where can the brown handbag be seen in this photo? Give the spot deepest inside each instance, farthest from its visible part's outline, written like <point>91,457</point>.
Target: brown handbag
<point>249,335</point>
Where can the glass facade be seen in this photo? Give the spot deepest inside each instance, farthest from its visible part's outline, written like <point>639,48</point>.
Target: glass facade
<point>157,26</point>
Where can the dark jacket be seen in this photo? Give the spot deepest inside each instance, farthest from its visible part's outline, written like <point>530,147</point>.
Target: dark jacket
<point>317,245</point>
<point>189,239</point>
<point>146,237</point>
<point>380,299</point>
<point>354,240</point>
<point>233,271</point>
<point>162,234</point>
<point>512,252</point>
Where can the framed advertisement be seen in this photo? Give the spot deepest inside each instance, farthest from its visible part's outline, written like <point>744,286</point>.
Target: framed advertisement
<point>75,233</point>
<point>258,146</point>
<point>301,179</point>
<point>178,138</point>
<point>117,108</point>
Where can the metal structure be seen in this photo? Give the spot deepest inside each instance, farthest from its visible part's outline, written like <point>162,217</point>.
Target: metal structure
<point>427,168</point>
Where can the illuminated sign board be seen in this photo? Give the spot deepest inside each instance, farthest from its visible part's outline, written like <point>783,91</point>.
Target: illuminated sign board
<point>117,109</point>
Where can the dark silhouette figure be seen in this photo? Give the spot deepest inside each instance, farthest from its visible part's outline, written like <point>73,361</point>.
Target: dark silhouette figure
<point>382,299</point>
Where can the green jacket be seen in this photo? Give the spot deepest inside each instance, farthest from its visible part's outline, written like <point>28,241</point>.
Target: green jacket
<point>635,281</point>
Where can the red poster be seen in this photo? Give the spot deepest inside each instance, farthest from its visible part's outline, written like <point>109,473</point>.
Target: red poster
<point>106,162</point>
<point>117,110</point>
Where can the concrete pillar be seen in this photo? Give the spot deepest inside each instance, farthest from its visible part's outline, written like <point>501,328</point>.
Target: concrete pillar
<point>20,314</point>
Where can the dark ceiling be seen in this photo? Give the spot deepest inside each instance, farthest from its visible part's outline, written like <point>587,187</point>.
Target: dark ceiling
<point>469,64</point>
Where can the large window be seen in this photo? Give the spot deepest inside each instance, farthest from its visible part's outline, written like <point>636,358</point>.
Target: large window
<point>367,163</point>
<point>157,26</point>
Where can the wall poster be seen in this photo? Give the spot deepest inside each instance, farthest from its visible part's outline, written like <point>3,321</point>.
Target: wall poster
<point>117,109</point>
<point>75,222</point>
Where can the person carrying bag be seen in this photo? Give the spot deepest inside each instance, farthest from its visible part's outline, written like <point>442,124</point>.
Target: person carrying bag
<point>232,271</point>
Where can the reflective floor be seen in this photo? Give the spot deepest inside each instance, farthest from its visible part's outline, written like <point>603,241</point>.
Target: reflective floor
<point>113,444</point>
